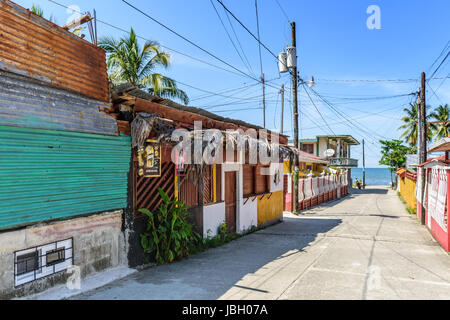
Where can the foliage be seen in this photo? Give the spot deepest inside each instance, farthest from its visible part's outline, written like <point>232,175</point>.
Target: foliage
<point>168,235</point>
<point>411,125</point>
<point>224,235</point>
<point>410,210</point>
<point>393,154</point>
<point>78,31</point>
<point>129,62</point>
<point>37,10</point>
<point>442,130</point>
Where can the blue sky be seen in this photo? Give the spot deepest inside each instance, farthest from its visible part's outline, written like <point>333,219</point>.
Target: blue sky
<point>333,44</point>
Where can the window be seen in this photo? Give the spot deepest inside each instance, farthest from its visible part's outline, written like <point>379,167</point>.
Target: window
<point>38,262</point>
<point>308,147</point>
<point>248,180</point>
<point>55,256</point>
<point>262,180</point>
<point>255,182</point>
<point>208,185</point>
<point>26,263</point>
<point>218,182</point>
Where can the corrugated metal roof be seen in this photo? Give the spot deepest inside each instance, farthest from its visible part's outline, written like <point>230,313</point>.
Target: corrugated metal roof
<point>35,47</point>
<point>48,174</point>
<point>440,145</point>
<point>135,92</point>
<point>26,102</point>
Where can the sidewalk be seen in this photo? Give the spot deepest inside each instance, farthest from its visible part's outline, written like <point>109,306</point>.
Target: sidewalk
<point>364,246</point>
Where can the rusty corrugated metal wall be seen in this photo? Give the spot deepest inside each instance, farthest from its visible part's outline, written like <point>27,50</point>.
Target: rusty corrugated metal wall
<point>26,102</point>
<point>38,48</point>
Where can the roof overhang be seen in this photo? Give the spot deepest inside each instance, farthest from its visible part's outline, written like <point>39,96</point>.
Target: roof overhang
<point>441,145</point>
<point>347,138</point>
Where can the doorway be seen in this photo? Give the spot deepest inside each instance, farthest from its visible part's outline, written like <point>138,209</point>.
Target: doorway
<point>230,200</point>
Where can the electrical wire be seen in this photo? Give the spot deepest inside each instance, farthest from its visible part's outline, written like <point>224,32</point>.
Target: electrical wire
<point>317,109</point>
<point>442,62</point>
<point>440,55</point>
<point>231,40</point>
<point>189,41</point>
<point>282,10</point>
<point>239,42</point>
<point>345,117</point>
<point>145,39</point>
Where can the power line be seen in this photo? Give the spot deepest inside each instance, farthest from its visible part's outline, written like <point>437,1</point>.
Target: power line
<point>189,41</point>
<point>345,117</point>
<point>229,37</point>
<point>212,94</point>
<point>163,46</point>
<point>317,109</point>
<point>255,99</point>
<point>282,10</point>
<point>434,93</point>
<point>440,55</point>
<point>239,42</point>
<point>235,110</point>
<point>436,70</point>
<point>365,116</point>
<point>243,25</point>
<point>372,80</point>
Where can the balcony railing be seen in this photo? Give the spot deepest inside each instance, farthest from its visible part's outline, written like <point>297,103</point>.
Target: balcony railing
<point>343,162</point>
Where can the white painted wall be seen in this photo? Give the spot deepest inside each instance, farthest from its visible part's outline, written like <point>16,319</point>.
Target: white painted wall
<point>276,185</point>
<point>247,214</point>
<point>322,146</point>
<point>213,217</point>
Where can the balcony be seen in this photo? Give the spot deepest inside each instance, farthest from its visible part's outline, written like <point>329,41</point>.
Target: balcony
<point>343,162</point>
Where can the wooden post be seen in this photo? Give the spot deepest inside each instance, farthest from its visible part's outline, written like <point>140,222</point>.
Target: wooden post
<point>422,139</point>
<point>364,166</point>
<point>264,100</point>
<point>282,108</point>
<point>200,185</point>
<point>295,109</point>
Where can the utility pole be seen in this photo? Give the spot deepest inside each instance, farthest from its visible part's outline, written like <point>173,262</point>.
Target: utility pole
<point>264,100</point>
<point>364,166</point>
<point>295,107</point>
<point>422,141</point>
<point>282,108</point>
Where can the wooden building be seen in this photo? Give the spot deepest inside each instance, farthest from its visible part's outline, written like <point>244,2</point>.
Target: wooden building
<point>234,192</point>
<point>63,164</point>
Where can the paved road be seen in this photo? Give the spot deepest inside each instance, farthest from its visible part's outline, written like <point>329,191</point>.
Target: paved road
<point>365,246</point>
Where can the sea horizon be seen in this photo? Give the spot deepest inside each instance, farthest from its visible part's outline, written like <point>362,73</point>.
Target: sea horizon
<point>374,176</point>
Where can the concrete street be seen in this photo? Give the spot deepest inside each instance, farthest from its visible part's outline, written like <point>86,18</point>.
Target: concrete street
<point>364,246</point>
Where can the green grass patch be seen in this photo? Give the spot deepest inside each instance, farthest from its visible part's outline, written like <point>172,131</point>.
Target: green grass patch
<point>408,209</point>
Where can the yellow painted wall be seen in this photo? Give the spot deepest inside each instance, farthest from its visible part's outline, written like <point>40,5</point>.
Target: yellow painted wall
<point>407,191</point>
<point>270,209</point>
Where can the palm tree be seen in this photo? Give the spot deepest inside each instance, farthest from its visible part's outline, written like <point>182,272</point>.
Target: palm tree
<point>410,125</point>
<point>128,62</point>
<point>441,113</point>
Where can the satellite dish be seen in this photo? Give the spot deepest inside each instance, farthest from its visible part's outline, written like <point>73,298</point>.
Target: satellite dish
<point>329,153</point>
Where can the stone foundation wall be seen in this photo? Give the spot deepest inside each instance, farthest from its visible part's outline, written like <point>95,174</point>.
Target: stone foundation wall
<point>98,244</point>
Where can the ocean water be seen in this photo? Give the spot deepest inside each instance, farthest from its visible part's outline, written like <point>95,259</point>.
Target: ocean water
<point>374,176</point>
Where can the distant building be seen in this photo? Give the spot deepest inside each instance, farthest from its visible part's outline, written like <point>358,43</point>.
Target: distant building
<point>340,144</point>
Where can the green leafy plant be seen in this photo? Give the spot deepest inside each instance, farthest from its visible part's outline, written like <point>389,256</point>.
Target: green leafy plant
<point>169,235</point>
<point>128,61</point>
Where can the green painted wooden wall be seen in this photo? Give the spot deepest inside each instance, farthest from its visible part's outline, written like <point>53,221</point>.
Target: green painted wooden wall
<point>46,174</point>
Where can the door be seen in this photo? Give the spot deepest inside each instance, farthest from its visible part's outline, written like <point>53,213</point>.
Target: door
<point>230,200</point>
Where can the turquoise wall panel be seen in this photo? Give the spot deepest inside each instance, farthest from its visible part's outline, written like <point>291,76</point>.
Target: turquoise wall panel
<point>46,174</point>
